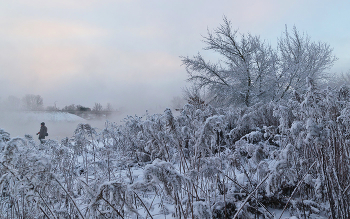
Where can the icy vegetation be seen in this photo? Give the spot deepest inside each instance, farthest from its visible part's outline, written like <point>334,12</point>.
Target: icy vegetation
<point>275,160</point>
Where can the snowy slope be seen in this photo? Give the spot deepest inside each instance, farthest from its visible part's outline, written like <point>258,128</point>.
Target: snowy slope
<point>48,116</point>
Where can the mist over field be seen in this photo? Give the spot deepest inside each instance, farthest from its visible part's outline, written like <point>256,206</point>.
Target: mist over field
<point>21,123</point>
<point>59,124</point>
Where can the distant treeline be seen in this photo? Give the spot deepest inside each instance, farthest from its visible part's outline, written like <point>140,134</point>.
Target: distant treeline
<point>31,102</point>
<point>87,113</point>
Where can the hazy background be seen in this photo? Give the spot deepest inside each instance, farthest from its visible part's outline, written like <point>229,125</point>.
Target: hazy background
<point>59,124</point>
<point>126,52</point>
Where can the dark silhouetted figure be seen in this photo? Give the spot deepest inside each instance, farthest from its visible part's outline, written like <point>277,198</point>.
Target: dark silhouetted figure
<point>42,133</point>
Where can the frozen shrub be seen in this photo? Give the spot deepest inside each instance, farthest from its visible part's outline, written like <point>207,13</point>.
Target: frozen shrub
<point>201,210</point>
<point>224,210</point>
<point>4,136</point>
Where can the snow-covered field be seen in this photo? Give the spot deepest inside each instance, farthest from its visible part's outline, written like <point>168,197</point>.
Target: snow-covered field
<point>19,123</point>
<point>49,116</point>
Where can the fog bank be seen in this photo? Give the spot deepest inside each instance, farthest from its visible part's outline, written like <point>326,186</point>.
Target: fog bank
<point>59,124</point>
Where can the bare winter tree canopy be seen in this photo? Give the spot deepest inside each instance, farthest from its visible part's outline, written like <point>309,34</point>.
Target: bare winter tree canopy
<point>97,107</point>
<point>33,102</point>
<point>251,71</point>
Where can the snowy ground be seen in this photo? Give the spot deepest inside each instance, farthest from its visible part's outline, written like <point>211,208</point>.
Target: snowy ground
<point>49,116</point>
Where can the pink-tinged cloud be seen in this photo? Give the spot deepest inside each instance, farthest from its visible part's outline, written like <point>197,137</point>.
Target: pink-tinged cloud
<point>67,4</point>
<point>48,30</point>
<point>148,31</point>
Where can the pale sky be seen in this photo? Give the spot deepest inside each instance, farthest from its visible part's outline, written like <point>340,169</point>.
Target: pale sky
<point>127,52</point>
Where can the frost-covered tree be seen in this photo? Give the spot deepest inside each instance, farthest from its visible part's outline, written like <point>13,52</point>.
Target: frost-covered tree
<point>97,107</point>
<point>246,72</point>
<point>299,59</point>
<point>33,102</point>
<point>251,71</point>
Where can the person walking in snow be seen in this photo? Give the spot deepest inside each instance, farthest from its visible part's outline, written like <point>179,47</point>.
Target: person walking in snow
<point>42,133</point>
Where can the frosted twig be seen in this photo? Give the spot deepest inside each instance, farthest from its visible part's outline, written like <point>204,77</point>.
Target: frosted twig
<point>346,189</point>
<point>262,205</point>
<point>81,215</point>
<point>46,204</point>
<point>44,212</point>
<point>250,194</point>
<point>112,207</point>
<point>143,204</point>
<point>104,200</point>
<point>300,181</point>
